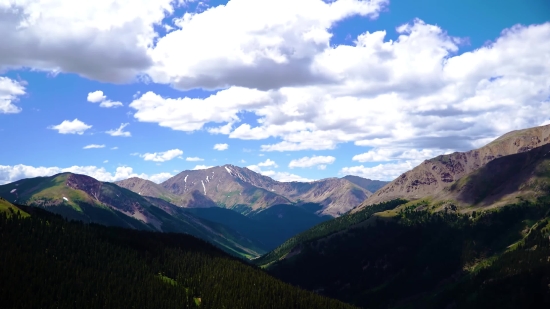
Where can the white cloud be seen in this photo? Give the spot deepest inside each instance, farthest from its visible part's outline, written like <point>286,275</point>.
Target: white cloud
<point>109,104</point>
<point>399,161</point>
<point>98,96</point>
<point>114,148</point>
<point>312,161</point>
<point>119,131</point>
<point>9,91</point>
<point>162,156</point>
<point>271,48</point>
<point>91,146</point>
<point>194,159</point>
<point>221,147</point>
<point>106,40</point>
<point>191,114</point>
<point>279,176</point>
<point>160,177</point>
<point>392,154</point>
<point>388,171</point>
<point>16,172</point>
<point>106,161</point>
<point>288,177</point>
<point>268,163</point>
<point>71,127</point>
<point>417,92</point>
<point>201,167</point>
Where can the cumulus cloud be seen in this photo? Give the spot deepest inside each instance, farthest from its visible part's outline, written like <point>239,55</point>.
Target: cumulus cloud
<point>272,48</point>
<point>160,177</point>
<point>268,163</point>
<point>104,40</point>
<point>11,173</point>
<point>279,176</point>
<point>221,147</point>
<point>194,159</point>
<point>201,167</point>
<point>396,161</point>
<point>96,96</point>
<point>417,92</point>
<point>388,171</point>
<point>119,131</point>
<point>10,90</point>
<point>288,177</point>
<point>71,127</point>
<point>109,104</point>
<point>99,97</point>
<point>91,146</point>
<point>162,156</point>
<point>320,161</point>
<point>392,154</point>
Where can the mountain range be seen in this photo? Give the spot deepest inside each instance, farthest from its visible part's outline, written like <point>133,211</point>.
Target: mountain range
<point>246,191</point>
<point>257,219</point>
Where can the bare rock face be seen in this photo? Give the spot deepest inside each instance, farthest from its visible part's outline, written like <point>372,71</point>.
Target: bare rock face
<point>231,186</point>
<point>432,176</point>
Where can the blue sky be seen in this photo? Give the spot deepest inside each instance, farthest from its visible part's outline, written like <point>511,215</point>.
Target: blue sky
<point>295,90</point>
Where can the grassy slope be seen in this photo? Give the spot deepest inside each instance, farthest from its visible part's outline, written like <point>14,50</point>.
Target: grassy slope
<point>9,208</point>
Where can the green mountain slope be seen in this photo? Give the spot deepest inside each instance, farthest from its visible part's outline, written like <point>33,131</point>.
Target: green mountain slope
<point>48,262</point>
<point>83,198</point>
<point>424,259</point>
<point>10,209</point>
<point>295,244</point>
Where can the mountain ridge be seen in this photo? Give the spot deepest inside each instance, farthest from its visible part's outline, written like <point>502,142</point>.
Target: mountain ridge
<point>433,176</point>
<point>231,186</point>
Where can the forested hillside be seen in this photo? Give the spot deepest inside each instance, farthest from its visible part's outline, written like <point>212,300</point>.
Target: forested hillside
<point>47,262</point>
<point>295,243</point>
<point>425,259</point>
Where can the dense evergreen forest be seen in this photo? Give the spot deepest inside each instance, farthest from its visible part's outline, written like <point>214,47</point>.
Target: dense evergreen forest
<point>326,228</point>
<point>422,259</point>
<point>47,262</point>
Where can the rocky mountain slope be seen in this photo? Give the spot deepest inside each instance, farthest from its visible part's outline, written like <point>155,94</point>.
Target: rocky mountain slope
<point>371,185</point>
<point>524,175</point>
<point>244,190</point>
<point>84,198</point>
<point>432,176</point>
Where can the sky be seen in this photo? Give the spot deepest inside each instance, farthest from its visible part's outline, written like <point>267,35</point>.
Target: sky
<point>295,90</point>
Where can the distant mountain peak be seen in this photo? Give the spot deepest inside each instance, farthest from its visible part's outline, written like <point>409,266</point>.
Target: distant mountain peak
<point>231,186</point>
